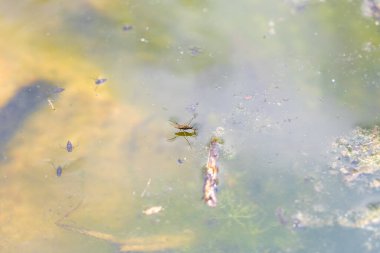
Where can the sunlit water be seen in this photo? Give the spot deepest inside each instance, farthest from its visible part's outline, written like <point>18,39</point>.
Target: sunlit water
<point>283,79</point>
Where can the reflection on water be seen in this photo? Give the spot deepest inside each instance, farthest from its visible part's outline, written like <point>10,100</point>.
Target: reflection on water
<point>283,78</point>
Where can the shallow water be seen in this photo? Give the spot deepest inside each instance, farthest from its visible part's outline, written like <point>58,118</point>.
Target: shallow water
<point>283,78</point>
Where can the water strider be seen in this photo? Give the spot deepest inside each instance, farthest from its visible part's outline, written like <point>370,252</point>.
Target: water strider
<point>184,130</point>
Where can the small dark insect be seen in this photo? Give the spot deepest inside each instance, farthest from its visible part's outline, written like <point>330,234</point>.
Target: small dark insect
<point>69,146</point>
<point>59,171</point>
<point>99,81</point>
<point>127,27</point>
<point>180,160</point>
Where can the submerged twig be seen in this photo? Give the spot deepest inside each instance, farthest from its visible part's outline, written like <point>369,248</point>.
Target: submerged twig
<point>210,185</point>
<point>146,188</point>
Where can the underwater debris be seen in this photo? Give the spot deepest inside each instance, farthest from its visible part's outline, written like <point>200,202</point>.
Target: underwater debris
<point>50,101</point>
<point>210,185</point>
<point>153,210</point>
<point>281,216</point>
<point>146,188</point>
<point>358,158</point>
<point>371,8</point>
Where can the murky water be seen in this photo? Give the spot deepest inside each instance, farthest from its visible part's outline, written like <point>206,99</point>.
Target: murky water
<point>284,79</point>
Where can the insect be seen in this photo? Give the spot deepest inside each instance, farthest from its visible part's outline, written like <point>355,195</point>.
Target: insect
<point>184,134</point>
<point>99,81</point>
<point>183,130</point>
<point>58,170</point>
<point>69,167</point>
<point>186,126</point>
<point>69,146</point>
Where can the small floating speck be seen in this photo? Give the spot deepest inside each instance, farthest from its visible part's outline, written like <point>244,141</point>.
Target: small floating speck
<point>248,97</point>
<point>194,51</point>
<point>127,28</point>
<point>181,160</point>
<point>143,40</point>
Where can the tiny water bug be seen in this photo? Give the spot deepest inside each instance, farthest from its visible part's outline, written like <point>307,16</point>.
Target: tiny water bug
<point>69,146</point>
<point>58,170</point>
<point>99,81</point>
<point>68,167</point>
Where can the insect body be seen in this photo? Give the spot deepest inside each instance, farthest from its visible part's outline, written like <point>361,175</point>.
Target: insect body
<point>185,126</point>
<point>99,81</point>
<point>69,146</point>
<point>183,130</point>
<point>59,171</point>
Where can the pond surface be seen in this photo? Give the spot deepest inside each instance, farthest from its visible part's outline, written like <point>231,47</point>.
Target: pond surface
<point>283,79</point>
